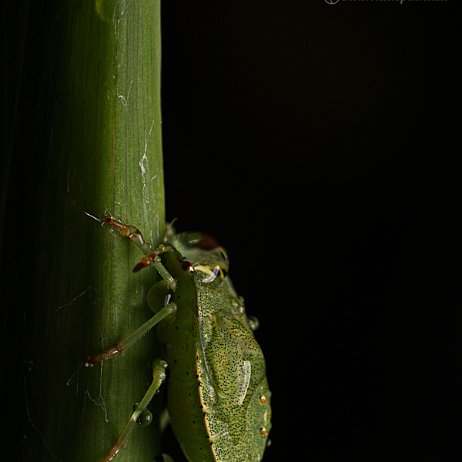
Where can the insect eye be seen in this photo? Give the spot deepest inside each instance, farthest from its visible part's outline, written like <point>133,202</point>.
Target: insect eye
<point>208,243</point>
<point>204,242</point>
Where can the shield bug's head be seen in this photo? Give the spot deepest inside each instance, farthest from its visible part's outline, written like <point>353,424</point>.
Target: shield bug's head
<point>202,253</point>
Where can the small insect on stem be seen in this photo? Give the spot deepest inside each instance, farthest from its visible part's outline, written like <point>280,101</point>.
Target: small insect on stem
<point>218,398</point>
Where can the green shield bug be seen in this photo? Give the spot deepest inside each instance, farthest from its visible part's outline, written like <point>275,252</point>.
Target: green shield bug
<point>218,398</point>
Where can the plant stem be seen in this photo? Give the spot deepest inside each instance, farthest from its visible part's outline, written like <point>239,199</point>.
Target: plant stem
<point>103,155</point>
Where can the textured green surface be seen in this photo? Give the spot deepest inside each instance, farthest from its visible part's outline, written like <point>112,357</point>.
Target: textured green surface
<point>219,400</point>
<point>103,155</point>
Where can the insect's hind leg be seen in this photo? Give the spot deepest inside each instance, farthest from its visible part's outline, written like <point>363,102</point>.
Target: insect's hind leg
<point>158,373</point>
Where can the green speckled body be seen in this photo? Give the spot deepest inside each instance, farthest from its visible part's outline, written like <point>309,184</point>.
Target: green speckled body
<point>218,396</point>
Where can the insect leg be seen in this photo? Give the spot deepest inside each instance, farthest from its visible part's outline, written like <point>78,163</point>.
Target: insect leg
<point>158,374</point>
<point>128,341</point>
<point>129,231</point>
<point>151,256</point>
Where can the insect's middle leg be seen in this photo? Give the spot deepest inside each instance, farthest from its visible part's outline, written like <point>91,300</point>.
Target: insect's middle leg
<point>157,380</point>
<point>128,341</point>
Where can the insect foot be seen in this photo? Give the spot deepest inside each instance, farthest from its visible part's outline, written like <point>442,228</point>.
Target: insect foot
<point>159,375</point>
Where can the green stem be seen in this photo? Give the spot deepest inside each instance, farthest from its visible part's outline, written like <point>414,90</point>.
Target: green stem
<point>103,155</point>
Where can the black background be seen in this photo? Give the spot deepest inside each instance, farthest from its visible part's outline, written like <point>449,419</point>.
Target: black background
<point>318,143</point>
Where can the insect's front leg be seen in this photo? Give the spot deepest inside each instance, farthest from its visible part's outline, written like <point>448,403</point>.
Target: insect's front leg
<point>151,256</point>
<point>159,374</point>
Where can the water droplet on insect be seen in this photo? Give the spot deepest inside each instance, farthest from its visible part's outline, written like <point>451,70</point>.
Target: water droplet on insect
<point>145,418</point>
<point>253,323</point>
